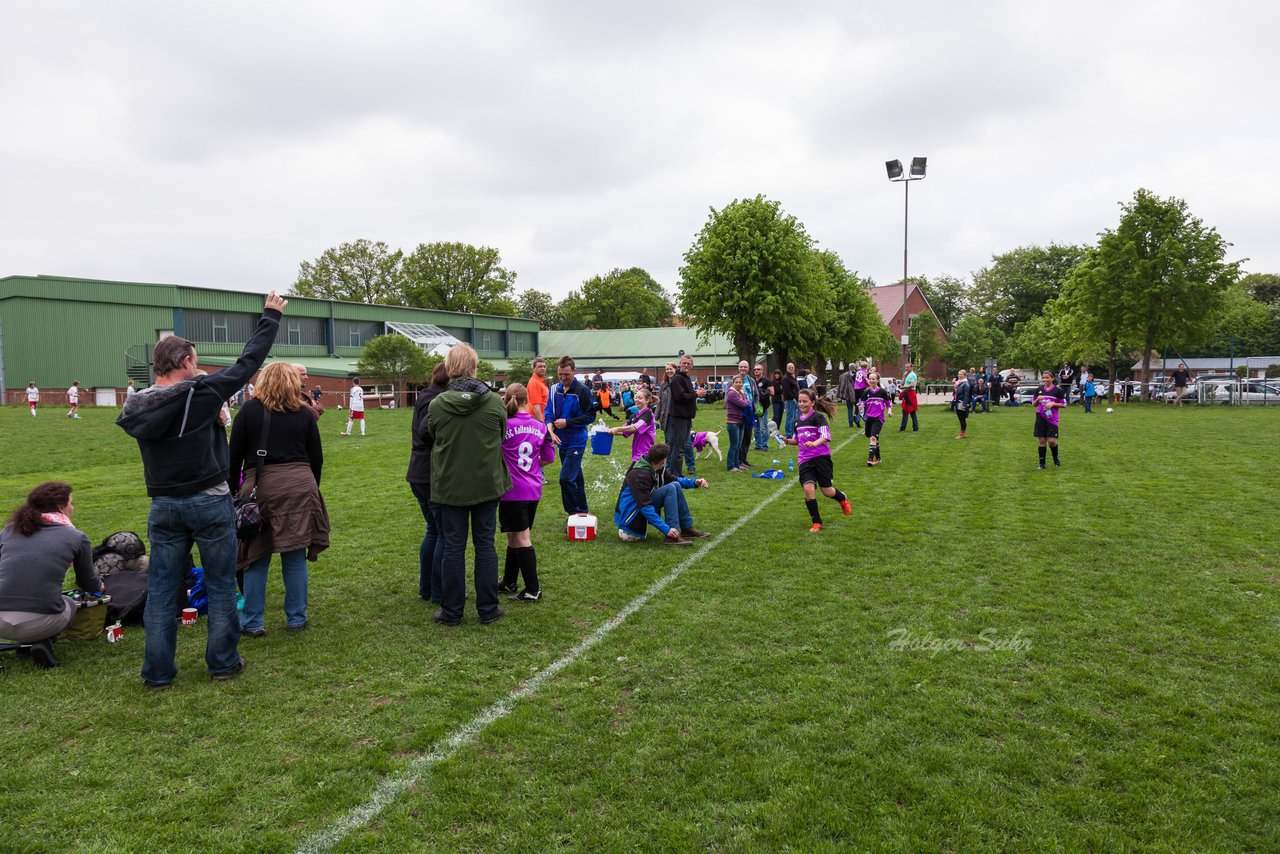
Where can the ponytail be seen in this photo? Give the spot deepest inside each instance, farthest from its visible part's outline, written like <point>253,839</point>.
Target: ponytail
<point>516,397</point>
<point>48,497</point>
<point>821,404</point>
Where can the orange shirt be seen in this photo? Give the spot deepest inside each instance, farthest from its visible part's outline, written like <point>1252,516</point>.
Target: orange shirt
<point>537,394</point>
<point>604,398</point>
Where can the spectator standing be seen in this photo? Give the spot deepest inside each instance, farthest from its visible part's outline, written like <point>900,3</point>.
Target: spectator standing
<point>1090,390</point>
<point>431,550</point>
<point>310,399</point>
<point>790,398</point>
<point>537,390</point>
<point>845,391</point>
<point>997,389</point>
<point>910,399</point>
<point>750,391</point>
<point>186,462</point>
<point>1181,379</point>
<point>764,386</point>
<point>962,396</point>
<point>466,423</point>
<point>36,546</point>
<point>295,523</point>
<point>778,404</point>
<point>735,402</point>
<point>684,408</point>
<point>568,415</point>
<point>129,390</point>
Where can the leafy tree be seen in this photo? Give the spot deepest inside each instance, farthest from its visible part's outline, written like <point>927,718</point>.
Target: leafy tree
<point>973,341</point>
<point>1018,284</point>
<point>1245,327</point>
<point>520,371</point>
<point>485,371</point>
<point>1036,344</point>
<point>853,327</point>
<point>362,271</point>
<point>948,297</point>
<point>924,342</point>
<point>393,358</point>
<point>538,305</point>
<point>459,277</point>
<point>751,274</point>
<point>621,299</point>
<point>1264,287</point>
<point>1093,323</point>
<point>1171,270</point>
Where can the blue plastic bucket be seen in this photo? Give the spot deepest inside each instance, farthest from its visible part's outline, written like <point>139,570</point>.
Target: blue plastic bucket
<point>601,443</point>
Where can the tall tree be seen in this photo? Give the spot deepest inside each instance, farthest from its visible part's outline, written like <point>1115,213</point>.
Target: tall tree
<point>854,328</point>
<point>362,271</point>
<point>948,297</point>
<point>1264,287</point>
<point>1095,314</point>
<point>1017,284</point>
<point>1171,267</point>
<point>395,359</point>
<point>924,341</point>
<point>538,305</point>
<point>519,369</point>
<point>621,299</point>
<point>973,341</point>
<point>459,277</point>
<point>751,274</point>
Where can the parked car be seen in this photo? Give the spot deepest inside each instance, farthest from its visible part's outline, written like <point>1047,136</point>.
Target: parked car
<point>1247,392</point>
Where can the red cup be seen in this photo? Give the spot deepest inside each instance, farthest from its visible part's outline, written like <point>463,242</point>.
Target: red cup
<point>189,616</point>
<point>115,631</point>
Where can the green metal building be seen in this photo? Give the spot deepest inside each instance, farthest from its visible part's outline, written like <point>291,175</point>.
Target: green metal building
<point>55,329</point>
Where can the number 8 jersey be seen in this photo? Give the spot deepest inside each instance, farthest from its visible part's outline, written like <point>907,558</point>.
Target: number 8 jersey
<point>526,448</point>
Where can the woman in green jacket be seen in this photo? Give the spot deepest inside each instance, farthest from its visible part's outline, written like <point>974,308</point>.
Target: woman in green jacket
<point>466,423</point>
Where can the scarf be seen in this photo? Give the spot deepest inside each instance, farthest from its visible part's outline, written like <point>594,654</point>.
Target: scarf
<point>55,519</point>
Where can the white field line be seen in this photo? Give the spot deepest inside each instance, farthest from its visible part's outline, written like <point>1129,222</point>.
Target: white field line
<point>391,788</point>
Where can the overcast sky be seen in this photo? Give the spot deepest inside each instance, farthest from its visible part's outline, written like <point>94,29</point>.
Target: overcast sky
<point>220,144</point>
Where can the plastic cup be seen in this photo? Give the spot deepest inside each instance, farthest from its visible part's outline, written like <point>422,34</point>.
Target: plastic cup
<point>189,616</point>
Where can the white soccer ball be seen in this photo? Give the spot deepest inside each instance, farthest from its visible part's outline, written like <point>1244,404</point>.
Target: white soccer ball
<point>1109,409</point>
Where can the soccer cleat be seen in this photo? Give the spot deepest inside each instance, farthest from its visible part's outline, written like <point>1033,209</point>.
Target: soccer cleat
<point>869,463</point>
<point>526,596</point>
<point>1040,467</point>
<point>344,434</point>
<point>1057,464</point>
<point>507,587</point>
<point>815,528</point>
<point>846,507</point>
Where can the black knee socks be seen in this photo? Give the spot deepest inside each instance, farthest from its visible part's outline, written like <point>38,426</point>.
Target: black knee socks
<point>529,569</point>
<point>510,569</point>
<point>1053,449</point>
<point>812,505</point>
<point>1041,450</point>
<point>839,497</point>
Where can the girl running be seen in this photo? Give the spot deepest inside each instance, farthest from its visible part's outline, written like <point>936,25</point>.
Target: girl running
<point>813,440</point>
<point>642,428</point>
<point>877,405</point>
<point>1048,400</point>
<point>526,448</point>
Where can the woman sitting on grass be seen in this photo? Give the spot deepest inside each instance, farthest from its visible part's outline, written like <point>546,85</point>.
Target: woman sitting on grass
<point>36,546</point>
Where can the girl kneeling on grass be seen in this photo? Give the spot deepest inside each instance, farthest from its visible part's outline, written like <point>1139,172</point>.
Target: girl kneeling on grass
<point>642,428</point>
<point>813,440</point>
<point>1048,400</point>
<point>877,405</point>
<point>526,448</point>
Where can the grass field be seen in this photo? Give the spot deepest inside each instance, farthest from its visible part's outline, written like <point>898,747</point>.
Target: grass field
<point>983,657</point>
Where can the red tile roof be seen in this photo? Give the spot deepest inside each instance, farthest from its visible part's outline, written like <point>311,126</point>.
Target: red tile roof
<point>888,299</point>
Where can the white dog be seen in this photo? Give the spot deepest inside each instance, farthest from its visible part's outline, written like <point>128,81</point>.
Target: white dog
<point>707,442</point>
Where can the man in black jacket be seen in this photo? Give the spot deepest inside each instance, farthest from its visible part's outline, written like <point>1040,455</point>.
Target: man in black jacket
<point>177,423</point>
<point>684,406</point>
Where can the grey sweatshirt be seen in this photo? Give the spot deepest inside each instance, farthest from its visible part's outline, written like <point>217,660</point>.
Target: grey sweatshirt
<point>32,568</point>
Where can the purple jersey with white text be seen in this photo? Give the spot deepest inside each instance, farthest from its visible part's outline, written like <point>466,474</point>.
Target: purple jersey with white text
<point>860,379</point>
<point>526,448</point>
<point>809,429</point>
<point>1044,395</point>
<point>876,403</point>
<point>645,434</point>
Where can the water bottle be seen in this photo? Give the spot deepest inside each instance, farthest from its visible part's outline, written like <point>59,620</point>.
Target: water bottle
<point>791,465</point>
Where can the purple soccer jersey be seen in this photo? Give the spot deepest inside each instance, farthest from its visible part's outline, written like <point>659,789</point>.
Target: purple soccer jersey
<point>860,379</point>
<point>645,434</point>
<point>526,448</point>
<point>1043,396</point>
<point>809,429</point>
<point>876,403</point>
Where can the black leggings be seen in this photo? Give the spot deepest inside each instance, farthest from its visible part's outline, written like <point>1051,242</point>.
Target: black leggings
<point>963,415</point>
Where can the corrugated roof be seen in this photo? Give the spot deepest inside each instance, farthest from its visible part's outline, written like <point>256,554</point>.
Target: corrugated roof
<point>321,366</point>
<point>622,347</point>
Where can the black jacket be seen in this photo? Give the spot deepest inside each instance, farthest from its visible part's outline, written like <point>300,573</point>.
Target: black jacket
<point>184,448</point>
<point>292,437</point>
<point>684,400</point>
<point>420,442</point>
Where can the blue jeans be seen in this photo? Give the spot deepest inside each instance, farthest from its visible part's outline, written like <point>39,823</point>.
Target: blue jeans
<point>1088,403</point>
<point>681,436</point>
<point>762,432</point>
<point>915,425</point>
<point>174,524</point>
<point>483,521</point>
<point>793,415</point>
<point>431,552</point>
<point>573,486</point>
<point>853,413</point>
<point>293,566</point>
<point>731,459</point>
<point>670,502</point>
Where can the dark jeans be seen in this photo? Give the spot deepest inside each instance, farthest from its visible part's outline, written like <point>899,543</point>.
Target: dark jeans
<point>173,525</point>
<point>777,414</point>
<point>482,519</point>
<point>431,552</point>
<point>573,486</point>
<point>680,437</point>
<point>731,459</point>
<point>963,415</point>
<point>915,426</point>
<point>1088,403</point>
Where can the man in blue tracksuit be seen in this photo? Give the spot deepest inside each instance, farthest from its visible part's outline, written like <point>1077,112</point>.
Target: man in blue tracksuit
<point>569,411</point>
<point>652,495</point>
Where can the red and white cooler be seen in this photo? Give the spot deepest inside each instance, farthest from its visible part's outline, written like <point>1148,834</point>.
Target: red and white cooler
<point>582,528</point>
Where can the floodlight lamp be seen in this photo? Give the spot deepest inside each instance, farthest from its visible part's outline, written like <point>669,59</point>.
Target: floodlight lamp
<point>894,168</point>
<point>917,166</point>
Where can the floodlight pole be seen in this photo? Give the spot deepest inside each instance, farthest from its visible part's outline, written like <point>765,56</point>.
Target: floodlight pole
<point>905,179</point>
